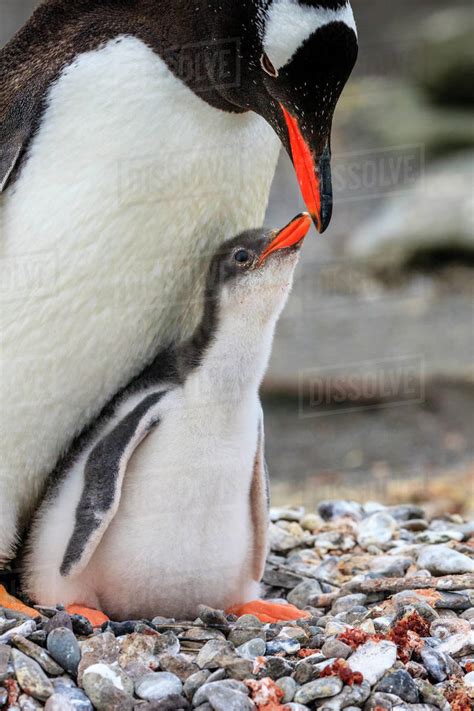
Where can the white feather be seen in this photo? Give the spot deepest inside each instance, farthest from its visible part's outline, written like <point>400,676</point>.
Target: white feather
<point>289,24</point>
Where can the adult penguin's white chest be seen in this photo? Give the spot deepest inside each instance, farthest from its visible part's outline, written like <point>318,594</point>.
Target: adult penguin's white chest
<point>129,176</point>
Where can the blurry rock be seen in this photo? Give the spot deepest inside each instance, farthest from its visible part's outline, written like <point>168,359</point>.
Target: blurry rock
<point>442,560</point>
<point>411,224</point>
<point>376,529</point>
<point>444,61</point>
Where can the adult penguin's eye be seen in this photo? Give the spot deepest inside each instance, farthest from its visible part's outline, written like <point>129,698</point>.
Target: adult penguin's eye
<point>242,256</point>
<point>267,66</point>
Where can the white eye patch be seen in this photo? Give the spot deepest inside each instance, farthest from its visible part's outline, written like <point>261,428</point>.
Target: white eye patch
<point>288,24</point>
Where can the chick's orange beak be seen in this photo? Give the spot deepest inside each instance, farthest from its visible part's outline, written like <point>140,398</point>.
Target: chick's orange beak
<point>290,235</point>
<point>314,180</point>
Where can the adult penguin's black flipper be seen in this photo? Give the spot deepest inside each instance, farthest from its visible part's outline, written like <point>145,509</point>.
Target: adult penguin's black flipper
<point>104,472</point>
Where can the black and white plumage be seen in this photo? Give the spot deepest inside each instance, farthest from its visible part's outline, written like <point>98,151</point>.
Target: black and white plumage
<point>119,167</point>
<point>162,504</point>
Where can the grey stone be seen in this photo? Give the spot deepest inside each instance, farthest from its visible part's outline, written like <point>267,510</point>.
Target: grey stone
<point>376,529</point>
<point>194,682</point>
<point>158,685</point>
<point>108,687</point>
<point>429,694</point>
<point>444,627</point>
<point>401,684</point>
<point>179,664</point>
<point>31,677</point>
<point>211,617</point>
<point>281,540</point>
<point>373,659</point>
<point>382,700</point>
<point>200,634</point>
<point>38,654</point>
<point>442,560</point>
<point>166,643</point>
<point>202,694</point>
<point>319,689</point>
<point>335,648</point>
<point>288,513</point>
<point>331,509</point>
<point>252,649</point>
<point>458,645</point>
<point>4,662</point>
<point>28,703</point>
<point>285,646</point>
<point>25,628</point>
<point>100,648</point>
<point>281,578</point>
<point>60,619</point>
<point>347,602</point>
<point>288,685</point>
<point>302,593</point>
<point>64,649</point>
<point>276,668</point>
<point>224,699</point>
<point>212,650</point>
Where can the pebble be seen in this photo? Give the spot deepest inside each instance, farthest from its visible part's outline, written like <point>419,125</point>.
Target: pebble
<point>180,664</point>
<point>442,560</point>
<point>281,540</point>
<point>288,513</point>
<point>288,685</point>
<point>31,677</point>
<point>108,688</point>
<point>252,649</point>
<point>64,648</point>
<point>158,685</point>
<point>302,594</point>
<point>335,648</point>
<point>38,654</point>
<point>60,619</point>
<point>376,530</point>
<point>224,699</point>
<point>401,684</point>
<point>167,665</point>
<point>330,510</point>
<point>202,694</point>
<point>319,689</point>
<point>373,659</point>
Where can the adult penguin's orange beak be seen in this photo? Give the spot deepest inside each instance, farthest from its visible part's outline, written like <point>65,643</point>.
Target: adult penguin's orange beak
<point>312,171</point>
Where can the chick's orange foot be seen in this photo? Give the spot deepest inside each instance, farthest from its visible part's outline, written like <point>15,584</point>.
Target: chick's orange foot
<point>8,602</point>
<point>95,617</point>
<point>269,611</point>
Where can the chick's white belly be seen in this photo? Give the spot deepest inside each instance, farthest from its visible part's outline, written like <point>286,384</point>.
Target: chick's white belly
<point>182,534</point>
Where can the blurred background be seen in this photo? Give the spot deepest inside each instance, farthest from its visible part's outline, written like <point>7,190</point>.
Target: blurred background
<point>370,392</point>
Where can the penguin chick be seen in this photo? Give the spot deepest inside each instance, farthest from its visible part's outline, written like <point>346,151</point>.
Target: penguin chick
<point>163,503</point>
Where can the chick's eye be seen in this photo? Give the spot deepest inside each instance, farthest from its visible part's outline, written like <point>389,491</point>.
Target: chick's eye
<point>241,256</point>
<point>267,66</point>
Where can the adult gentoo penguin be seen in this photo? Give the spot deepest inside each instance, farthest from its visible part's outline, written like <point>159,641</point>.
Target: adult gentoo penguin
<point>163,504</point>
<point>134,136</point>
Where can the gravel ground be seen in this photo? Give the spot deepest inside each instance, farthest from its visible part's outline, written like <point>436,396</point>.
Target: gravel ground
<point>391,597</point>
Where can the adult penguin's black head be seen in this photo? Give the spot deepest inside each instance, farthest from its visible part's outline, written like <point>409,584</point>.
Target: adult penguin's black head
<point>295,57</point>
